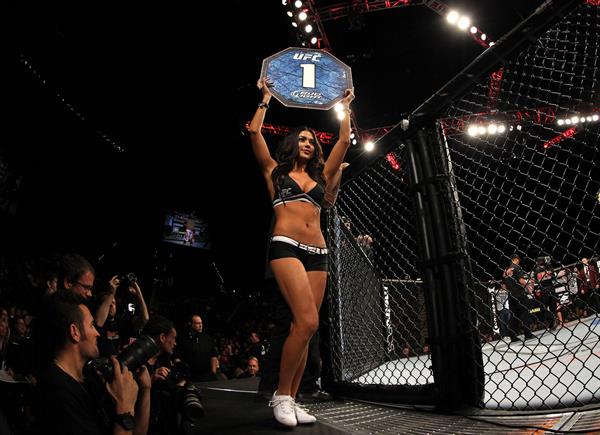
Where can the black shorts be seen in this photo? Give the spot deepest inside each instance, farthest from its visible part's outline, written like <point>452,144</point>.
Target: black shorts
<point>312,257</point>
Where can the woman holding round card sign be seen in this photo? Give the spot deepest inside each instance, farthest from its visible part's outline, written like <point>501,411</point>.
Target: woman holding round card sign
<point>297,180</point>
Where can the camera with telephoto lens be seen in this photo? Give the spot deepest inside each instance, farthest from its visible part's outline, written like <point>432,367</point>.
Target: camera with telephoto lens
<point>128,279</point>
<point>190,396</point>
<point>180,373</point>
<point>133,357</point>
<point>192,403</point>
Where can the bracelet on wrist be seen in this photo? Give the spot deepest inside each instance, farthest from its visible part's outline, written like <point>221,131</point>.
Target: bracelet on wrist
<point>264,105</point>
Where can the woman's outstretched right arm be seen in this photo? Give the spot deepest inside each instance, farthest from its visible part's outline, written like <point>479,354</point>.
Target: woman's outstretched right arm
<point>259,145</point>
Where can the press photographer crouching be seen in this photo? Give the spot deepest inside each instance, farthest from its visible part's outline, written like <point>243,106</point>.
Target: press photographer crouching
<point>173,400</point>
<point>67,403</point>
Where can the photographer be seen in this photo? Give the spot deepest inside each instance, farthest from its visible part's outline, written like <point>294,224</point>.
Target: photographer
<point>173,401</point>
<point>107,323</point>
<point>66,404</point>
<point>164,395</point>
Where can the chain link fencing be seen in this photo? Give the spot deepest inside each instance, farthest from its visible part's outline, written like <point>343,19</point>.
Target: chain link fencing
<point>521,146</point>
<point>377,312</point>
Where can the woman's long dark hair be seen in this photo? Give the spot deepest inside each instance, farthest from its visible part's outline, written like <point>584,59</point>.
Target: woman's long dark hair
<point>287,153</point>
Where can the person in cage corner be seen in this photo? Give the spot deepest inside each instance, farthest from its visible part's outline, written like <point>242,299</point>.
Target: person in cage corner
<point>297,181</point>
<point>520,288</point>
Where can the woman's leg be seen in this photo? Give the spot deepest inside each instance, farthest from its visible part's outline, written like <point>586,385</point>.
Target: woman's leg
<point>299,372</point>
<point>295,287</point>
<point>318,280</point>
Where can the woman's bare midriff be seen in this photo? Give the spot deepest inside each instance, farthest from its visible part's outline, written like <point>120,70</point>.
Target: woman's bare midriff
<point>301,221</point>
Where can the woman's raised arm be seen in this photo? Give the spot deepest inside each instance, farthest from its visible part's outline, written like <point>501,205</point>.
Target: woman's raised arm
<point>259,145</point>
<point>336,157</point>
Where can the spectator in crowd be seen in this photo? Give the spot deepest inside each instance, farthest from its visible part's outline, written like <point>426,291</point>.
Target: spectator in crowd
<point>365,241</point>
<point>20,351</point>
<point>252,369</point>
<point>255,348</point>
<point>48,277</point>
<point>66,405</point>
<point>197,349</point>
<point>51,282</point>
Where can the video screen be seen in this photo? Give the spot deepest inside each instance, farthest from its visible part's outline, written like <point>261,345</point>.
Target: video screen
<point>186,229</point>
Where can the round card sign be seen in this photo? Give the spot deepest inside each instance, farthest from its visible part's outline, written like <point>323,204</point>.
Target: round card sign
<point>307,78</point>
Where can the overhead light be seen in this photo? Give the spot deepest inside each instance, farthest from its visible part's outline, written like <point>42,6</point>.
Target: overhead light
<point>463,23</point>
<point>473,29</point>
<point>314,40</point>
<point>492,128</point>
<point>290,14</point>
<point>298,4</point>
<point>452,17</point>
<point>294,24</point>
<point>369,146</point>
<point>483,36</point>
<point>577,119</point>
<point>308,28</point>
<point>302,16</point>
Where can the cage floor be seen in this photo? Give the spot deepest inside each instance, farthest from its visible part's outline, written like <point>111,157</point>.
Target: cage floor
<point>558,368</point>
<point>233,407</point>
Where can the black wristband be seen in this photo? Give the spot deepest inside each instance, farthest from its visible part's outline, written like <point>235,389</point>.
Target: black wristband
<point>263,104</point>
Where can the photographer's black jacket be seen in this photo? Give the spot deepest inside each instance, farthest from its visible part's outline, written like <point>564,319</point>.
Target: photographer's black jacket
<point>66,407</point>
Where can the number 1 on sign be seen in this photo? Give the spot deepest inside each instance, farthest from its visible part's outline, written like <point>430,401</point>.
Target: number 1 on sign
<point>308,75</point>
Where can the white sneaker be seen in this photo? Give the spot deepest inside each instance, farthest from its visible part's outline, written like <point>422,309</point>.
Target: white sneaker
<point>302,414</point>
<point>284,409</point>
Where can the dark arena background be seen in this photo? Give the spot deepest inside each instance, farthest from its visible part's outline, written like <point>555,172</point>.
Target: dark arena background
<point>476,137</point>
